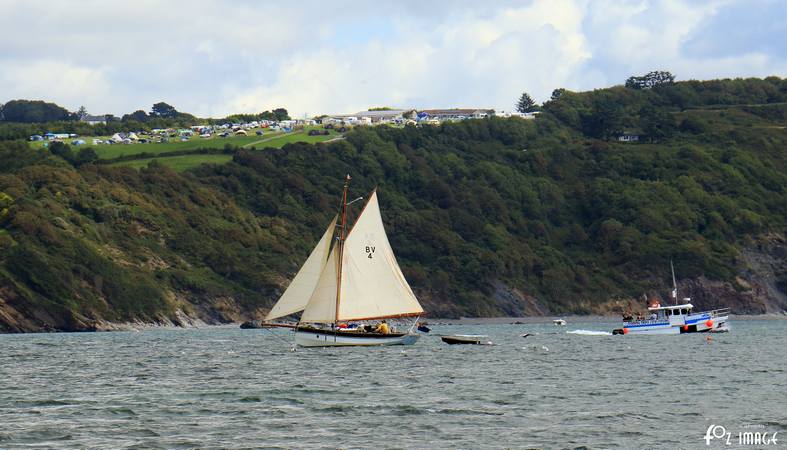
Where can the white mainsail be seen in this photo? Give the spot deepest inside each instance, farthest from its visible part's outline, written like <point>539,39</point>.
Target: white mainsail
<point>302,286</point>
<point>372,284</point>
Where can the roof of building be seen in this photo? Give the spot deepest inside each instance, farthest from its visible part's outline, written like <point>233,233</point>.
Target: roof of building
<point>374,114</point>
<point>455,111</point>
<point>89,118</point>
<point>383,113</point>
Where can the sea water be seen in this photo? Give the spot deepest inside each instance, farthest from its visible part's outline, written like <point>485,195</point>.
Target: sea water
<point>559,387</point>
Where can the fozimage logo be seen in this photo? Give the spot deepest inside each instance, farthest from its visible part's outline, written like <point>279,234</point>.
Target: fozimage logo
<point>741,437</point>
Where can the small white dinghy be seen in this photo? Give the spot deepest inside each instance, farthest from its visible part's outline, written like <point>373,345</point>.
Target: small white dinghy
<point>559,322</point>
<point>475,339</point>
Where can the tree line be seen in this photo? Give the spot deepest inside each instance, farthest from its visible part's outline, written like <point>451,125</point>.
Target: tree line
<point>20,119</point>
<point>647,105</point>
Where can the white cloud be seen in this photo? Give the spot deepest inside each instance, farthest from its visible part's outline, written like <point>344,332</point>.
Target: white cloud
<point>472,60</point>
<point>56,80</point>
<point>213,58</point>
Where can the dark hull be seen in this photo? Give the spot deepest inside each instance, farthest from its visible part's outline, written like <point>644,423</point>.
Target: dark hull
<point>455,341</point>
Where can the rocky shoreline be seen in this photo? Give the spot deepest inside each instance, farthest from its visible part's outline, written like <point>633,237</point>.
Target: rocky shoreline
<point>758,291</point>
<point>192,323</point>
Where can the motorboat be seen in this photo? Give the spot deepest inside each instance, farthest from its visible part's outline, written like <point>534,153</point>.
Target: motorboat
<point>675,319</point>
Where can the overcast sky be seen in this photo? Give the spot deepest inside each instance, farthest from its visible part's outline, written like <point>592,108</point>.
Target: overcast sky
<point>212,58</point>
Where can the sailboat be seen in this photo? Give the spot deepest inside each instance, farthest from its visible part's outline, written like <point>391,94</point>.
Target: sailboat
<point>350,277</point>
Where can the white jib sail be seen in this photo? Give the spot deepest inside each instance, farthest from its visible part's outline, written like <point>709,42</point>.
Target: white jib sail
<point>322,302</point>
<point>302,286</point>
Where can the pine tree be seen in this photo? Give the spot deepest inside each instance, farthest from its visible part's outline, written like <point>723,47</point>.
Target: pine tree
<point>526,104</point>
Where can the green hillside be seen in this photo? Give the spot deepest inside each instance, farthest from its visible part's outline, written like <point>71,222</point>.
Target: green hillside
<point>487,217</point>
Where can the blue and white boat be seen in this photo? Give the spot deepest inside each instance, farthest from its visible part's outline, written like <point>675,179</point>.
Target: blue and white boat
<point>677,318</point>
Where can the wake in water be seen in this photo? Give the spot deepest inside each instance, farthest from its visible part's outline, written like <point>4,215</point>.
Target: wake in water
<point>590,332</point>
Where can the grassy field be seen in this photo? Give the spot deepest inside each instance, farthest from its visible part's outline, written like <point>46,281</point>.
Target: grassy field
<point>115,151</point>
<point>139,155</point>
<point>280,141</point>
<point>178,163</point>
<point>187,161</point>
<point>106,151</point>
<point>269,139</point>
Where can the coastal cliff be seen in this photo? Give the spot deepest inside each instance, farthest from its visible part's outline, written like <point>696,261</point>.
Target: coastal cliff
<point>487,217</point>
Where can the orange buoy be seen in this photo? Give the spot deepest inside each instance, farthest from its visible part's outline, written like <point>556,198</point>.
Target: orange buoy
<point>625,331</point>
<point>685,328</point>
<point>709,323</point>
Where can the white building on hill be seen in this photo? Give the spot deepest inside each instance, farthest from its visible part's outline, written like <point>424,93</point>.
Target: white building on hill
<point>372,117</point>
<point>455,113</point>
<point>527,115</point>
<point>94,120</point>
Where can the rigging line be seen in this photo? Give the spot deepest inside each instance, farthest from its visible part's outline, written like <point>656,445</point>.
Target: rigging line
<point>342,238</point>
<point>276,336</point>
<point>414,324</point>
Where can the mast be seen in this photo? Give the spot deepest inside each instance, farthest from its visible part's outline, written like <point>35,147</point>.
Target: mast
<point>342,237</point>
<point>674,283</point>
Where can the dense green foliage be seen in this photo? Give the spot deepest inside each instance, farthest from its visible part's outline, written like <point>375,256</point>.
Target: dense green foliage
<point>20,119</point>
<point>650,80</point>
<point>11,130</point>
<point>542,207</point>
<point>607,113</point>
<point>114,243</point>
<point>30,111</point>
<point>275,115</point>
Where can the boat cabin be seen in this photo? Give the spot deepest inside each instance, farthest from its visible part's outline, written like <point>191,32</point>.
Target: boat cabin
<point>675,314</point>
<point>672,310</point>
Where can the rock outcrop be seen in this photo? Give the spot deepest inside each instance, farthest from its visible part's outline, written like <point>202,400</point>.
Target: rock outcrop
<point>759,288</point>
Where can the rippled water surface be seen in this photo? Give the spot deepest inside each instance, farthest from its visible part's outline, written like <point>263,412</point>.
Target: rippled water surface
<point>232,388</point>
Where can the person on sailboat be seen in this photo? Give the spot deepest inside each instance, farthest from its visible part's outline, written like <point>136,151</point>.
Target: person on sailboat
<point>382,328</point>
